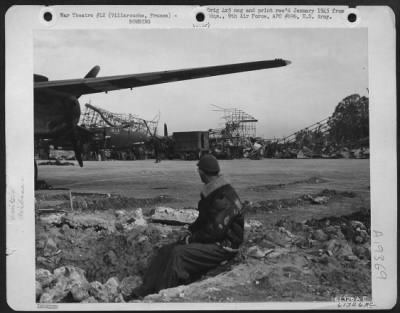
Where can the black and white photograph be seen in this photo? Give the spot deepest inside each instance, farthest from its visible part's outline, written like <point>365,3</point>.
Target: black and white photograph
<point>194,165</point>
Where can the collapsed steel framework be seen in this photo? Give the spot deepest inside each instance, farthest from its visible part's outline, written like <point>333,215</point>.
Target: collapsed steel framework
<point>320,127</point>
<point>239,126</point>
<point>95,117</point>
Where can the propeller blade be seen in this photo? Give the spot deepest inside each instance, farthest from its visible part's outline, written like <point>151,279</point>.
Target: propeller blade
<point>165,130</point>
<point>75,136</point>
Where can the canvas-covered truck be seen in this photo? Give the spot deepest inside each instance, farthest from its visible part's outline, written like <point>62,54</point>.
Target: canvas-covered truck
<point>191,145</point>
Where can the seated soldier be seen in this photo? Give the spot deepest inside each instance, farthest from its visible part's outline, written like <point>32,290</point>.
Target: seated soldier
<point>214,237</point>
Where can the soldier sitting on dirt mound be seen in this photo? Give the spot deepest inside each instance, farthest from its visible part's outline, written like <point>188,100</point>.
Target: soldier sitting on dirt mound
<point>214,237</point>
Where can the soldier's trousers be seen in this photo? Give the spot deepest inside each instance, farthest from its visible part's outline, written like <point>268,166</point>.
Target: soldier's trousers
<point>177,264</point>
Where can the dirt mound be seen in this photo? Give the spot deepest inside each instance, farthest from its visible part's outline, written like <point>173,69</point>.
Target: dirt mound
<point>108,243</point>
<point>267,206</point>
<point>98,254</point>
<point>267,187</point>
<point>351,225</point>
<point>101,254</point>
<point>335,193</point>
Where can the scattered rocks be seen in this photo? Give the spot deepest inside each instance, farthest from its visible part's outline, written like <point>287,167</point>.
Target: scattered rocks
<point>50,248</point>
<point>66,229</point>
<point>120,214</point>
<point>277,253</point>
<point>307,197</point>
<point>358,225</point>
<point>128,284</point>
<point>257,252</point>
<point>320,235</point>
<point>52,218</point>
<point>110,258</point>
<point>142,239</point>
<point>87,220</point>
<point>326,195</point>
<point>252,224</point>
<point>286,232</point>
<point>277,238</point>
<point>355,231</point>
<point>43,277</point>
<point>58,291</point>
<point>112,288</point>
<point>99,292</point>
<point>127,221</point>
<point>362,252</point>
<point>361,233</point>
<point>53,296</point>
<point>339,248</point>
<point>127,251</point>
<point>320,200</point>
<point>80,293</point>
<point>293,226</point>
<point>334,232</point>
<point>65,280</point>
<point>173,216</point>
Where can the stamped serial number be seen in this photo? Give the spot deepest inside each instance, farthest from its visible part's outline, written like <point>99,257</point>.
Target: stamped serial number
<point>379,255</point>
<point>349,301</point>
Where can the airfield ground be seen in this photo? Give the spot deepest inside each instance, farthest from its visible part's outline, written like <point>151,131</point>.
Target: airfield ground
<point>307,229</point>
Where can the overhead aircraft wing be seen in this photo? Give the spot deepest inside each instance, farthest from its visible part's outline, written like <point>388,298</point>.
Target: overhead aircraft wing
<point>90,85</point>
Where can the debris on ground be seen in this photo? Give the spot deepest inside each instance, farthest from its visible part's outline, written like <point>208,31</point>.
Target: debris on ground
<point>171,216</point>
<point>311,180</point>
<point>320,200</point>
<point>128,284</point>
<point>98,252</point>
<point>252,224</point>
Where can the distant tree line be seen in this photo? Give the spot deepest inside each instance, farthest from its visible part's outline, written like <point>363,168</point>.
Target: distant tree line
<point>349,122</point>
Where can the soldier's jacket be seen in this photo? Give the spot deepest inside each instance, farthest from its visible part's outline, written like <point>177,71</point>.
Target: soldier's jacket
<point>220,217</point>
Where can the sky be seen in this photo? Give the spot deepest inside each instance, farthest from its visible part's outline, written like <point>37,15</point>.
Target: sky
<point>327,66</point>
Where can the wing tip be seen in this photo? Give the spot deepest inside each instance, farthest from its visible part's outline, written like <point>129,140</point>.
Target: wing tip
<point>284,62</point>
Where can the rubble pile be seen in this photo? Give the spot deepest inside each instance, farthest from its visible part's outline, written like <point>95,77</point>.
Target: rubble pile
<point>105,244</point>
<point>172,216</point>
<point>83,257</point>
<point>101,257</point>
<point>69,284</point>
<point>291,261</point>
<point>341,237</point>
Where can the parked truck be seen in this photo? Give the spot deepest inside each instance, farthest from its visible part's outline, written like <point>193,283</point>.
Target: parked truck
<point>191,145</point>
